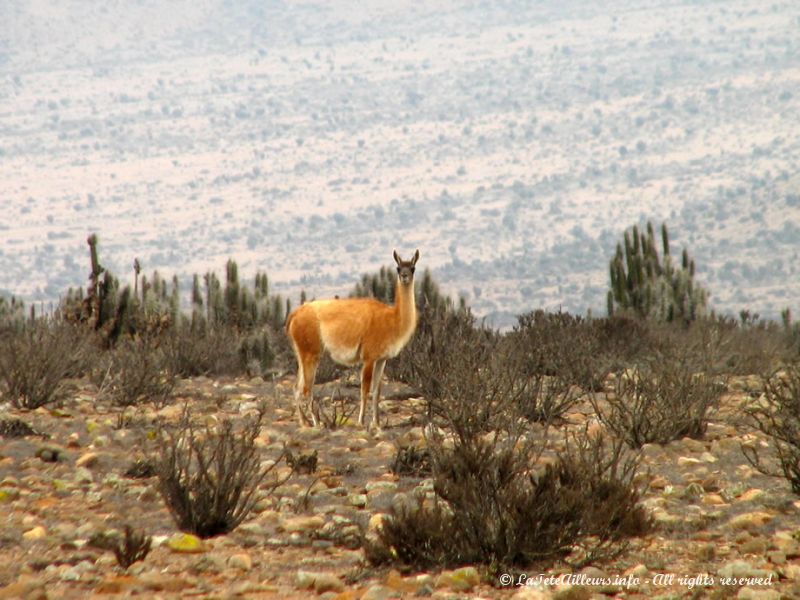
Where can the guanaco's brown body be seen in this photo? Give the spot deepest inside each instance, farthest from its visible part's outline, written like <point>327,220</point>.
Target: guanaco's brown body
<point>353,331</point>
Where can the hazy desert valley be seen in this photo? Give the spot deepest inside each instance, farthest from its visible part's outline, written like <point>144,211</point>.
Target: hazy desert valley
<point>512,143</point>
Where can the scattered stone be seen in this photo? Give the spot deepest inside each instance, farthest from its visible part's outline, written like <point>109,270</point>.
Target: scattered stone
<point>535,593</point>
<point>713,500</point>
<point>459,580</point>
<point>776,557</point>
<point>659,483</point>
<point>25,587</point>
<point>100,441</point>
<point>705,552</point>
<point>186,543</point>
<point>380,592</point>
<point>114,585</point>
<point>359,500</point>
<point>707,457</point>
<point>751,495</point>
<point>741,568</point>
<point>83,475</point>
<point>208,563</point>
<point>327,582</point>
<point>48,454</point>
<point>319,582</point>
<point>756,545</point>
<point>396,583</point>
<point>641,571</point>
<point>750,520</point>
<point>37,533</point>
<point>87,460</point>
<point>8,494</point>
<point>302,524</point>
<point>711,484</point>
<point>241,561</point>
<point>748,593</point>
<point>163,582</point>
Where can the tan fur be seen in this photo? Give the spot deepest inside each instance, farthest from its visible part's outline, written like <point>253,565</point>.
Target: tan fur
<point>353,331</point>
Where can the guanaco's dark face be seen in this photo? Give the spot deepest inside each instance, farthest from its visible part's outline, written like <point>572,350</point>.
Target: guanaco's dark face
<point>405,268</point>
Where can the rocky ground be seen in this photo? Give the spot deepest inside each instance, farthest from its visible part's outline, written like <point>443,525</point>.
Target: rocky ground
<point>716,517</point>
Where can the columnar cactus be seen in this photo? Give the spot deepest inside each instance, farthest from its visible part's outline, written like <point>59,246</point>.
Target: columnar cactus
<point>652,287</point>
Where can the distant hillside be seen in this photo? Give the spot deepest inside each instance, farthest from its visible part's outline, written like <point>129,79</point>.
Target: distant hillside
<point>511,142</point>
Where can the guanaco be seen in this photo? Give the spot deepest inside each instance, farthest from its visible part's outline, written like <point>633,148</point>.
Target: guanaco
<point>353,331</point>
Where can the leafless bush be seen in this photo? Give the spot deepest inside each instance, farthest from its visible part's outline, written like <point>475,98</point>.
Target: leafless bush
<point>212,350</point>
<point>133,547</point>
<point>664,398</point>
<point>137,370</point>
<point>412,461</point>
<point>620,339</point>
<point>36,358</point>
<point>777,415</point>
<point>493,507</point>
<point>340,412</point>
<point>16,428</point>
<point>472,385</point>
<point>305,463</point>
<point>141,468</point>
<point>748,347</point>
<point>560,345</point>
<point>208,476</point>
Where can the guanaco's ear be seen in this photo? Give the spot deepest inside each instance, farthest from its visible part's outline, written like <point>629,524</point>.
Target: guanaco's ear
<point>396,258</point>
<point>416,258</point>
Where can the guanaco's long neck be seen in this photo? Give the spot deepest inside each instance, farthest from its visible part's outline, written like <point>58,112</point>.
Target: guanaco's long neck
<point>405,306</point>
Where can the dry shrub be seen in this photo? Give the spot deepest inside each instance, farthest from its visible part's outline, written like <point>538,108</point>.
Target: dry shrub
<point>666,397</point>
<point>777,415</point>
<point>133,547</point>
<point>137,370</point>
<point>467,371</point>
<point>465,377</point>
<point>37,357</point>
<point>412,461</point>
<point>493,503</point>
<point>17,428</point>
<point>560,345</point>
<point>748,347</point>
<point>339,411</point>
<point>620,339</point>
<point>193,351</point>
<point>209,476</point>
<point>141,468</point>
<point>493,507</point>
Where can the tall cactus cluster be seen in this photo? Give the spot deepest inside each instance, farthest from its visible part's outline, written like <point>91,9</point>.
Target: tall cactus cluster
<point>650,286</point>
<point>236,304</point>
<point>154,306</point>
<point>381,285</point>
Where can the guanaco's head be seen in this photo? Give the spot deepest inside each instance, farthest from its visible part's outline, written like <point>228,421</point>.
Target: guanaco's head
<point>405,268</point>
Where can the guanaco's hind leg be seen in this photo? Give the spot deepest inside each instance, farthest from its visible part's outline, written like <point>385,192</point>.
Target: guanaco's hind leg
<point>366,386</point>
<point>377,377</point>
<point>304,392</point>
<point>303,331</point>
